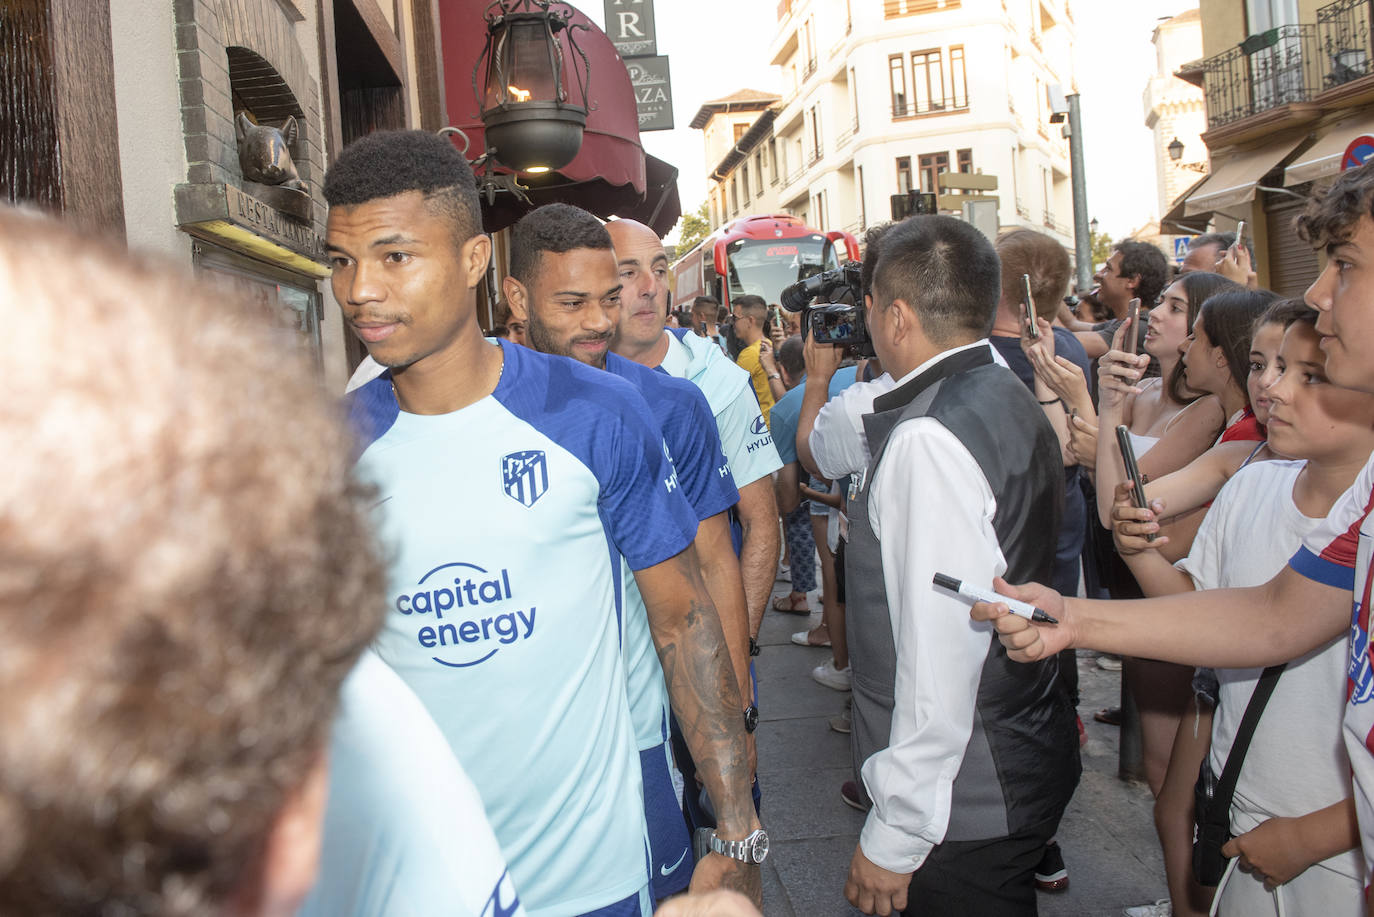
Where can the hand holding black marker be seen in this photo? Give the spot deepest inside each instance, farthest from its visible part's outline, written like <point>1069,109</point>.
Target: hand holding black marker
<point>1015,606</point>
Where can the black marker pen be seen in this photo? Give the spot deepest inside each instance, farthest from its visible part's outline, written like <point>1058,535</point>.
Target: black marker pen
<point>1017,607</point>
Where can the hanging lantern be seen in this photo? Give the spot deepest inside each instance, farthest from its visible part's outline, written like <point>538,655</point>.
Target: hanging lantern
<point>533,120</point>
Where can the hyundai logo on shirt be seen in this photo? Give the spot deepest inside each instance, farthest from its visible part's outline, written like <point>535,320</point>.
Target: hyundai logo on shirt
<point>469,590</point>
<point>759,428</point>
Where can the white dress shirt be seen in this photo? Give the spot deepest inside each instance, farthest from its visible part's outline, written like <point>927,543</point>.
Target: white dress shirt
<point>838,443</point>
<point>932,511</point>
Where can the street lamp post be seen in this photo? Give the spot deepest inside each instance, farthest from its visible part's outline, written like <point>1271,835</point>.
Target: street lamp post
<point>1082,242</point>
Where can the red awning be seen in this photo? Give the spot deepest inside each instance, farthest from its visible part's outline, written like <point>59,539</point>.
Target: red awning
<point>609,176</point>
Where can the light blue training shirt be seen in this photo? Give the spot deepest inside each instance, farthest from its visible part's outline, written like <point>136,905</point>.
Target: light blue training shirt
<point>506,521</point>
<point>404,832</point>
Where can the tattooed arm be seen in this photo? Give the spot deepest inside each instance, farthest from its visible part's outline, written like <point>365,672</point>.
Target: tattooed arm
<point>706,700</point>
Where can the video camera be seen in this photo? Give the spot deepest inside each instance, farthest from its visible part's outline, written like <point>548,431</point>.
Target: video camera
<point>837,316</point>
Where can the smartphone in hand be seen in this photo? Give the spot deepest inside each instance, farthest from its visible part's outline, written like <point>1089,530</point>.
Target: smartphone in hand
<point>1123,440</point>
<point>1029,304</point>
<point>1132,342</point>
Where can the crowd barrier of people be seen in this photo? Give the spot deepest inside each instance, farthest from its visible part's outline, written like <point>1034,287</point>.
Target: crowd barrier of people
<point>481,639</point>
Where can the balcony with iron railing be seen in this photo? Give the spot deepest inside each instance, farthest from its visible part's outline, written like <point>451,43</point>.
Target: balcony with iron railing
<point>811,66</point>
<point>815,155</point>
<point>946,106</point>
<point>1343,34</point>
<point>849,133</point>
<point>1290,64</point>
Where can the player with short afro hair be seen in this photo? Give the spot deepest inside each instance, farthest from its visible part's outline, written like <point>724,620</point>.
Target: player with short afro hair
<point>388,163</point>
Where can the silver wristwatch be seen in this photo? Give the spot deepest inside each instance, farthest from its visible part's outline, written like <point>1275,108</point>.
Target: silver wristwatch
<point>752,849</point>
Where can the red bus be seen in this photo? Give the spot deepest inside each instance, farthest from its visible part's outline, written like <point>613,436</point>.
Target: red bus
<point>762,255</point>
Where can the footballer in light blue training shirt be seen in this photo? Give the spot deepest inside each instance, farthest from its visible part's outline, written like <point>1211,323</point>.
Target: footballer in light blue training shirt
<point>564,285</point>
<point>507,521</point>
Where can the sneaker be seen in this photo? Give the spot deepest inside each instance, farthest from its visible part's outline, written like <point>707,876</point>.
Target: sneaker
<point>849,792</point>
<point>784,573</point>
<point>1109,664</point>
<point>803,638</point>
<point>1161,908</point>
<point>1050,874</point>
<point>831,677</point>
<point>840,723</point>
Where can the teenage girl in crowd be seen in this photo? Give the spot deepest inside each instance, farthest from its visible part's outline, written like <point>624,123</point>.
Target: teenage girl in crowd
<point>1196,484</point>
<point>1171,422</point>
<point>1292,813</point>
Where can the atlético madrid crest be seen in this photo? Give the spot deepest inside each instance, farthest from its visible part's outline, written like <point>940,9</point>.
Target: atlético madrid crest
<point>525,476</point>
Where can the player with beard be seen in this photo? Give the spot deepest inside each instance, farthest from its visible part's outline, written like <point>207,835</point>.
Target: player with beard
<point>564,285</point>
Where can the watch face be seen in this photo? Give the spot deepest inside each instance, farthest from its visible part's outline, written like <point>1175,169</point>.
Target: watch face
<point>751,718</point>
<point>760,846</point>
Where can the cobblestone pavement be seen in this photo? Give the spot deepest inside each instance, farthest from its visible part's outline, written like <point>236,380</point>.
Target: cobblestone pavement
<point>1107,834</point>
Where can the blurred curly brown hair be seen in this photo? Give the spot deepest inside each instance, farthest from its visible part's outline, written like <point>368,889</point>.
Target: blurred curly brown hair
<point>1330,217</point>
<point>186,576</point>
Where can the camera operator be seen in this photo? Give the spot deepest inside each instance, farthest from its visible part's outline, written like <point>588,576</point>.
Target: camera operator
<point>969,764</point>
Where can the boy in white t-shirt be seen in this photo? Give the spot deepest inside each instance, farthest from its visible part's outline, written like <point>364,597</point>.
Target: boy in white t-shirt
<point>1292,812</point>
<point>1323,591</point>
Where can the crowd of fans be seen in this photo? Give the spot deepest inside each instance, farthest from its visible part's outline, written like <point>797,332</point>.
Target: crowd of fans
<point>1187,361</point>
<point>482,643</point>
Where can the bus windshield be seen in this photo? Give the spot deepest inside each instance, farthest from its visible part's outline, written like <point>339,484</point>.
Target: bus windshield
<point>765,267</point>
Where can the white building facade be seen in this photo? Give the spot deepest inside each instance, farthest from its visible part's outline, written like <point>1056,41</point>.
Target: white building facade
<point>1176,110</point>
<point>880,96</point>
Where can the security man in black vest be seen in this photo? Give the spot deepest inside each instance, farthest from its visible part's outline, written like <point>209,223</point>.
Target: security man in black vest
<point>969,758</point>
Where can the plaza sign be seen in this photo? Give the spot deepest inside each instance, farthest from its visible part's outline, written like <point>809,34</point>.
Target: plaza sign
<point>653,92</point>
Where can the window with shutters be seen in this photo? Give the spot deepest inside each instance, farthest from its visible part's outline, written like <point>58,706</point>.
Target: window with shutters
<point>897,80</point>
<point>927,81</point>
<point>932,164</point>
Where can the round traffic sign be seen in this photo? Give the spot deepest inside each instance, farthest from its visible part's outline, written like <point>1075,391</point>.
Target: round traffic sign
<point>1360,149</point>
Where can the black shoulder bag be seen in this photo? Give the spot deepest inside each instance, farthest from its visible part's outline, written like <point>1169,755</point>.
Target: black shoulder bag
<point>1212,797</point>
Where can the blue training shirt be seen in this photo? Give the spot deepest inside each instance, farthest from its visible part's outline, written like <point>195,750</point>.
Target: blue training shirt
<point>506,522</point>
<point>703,474</point>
